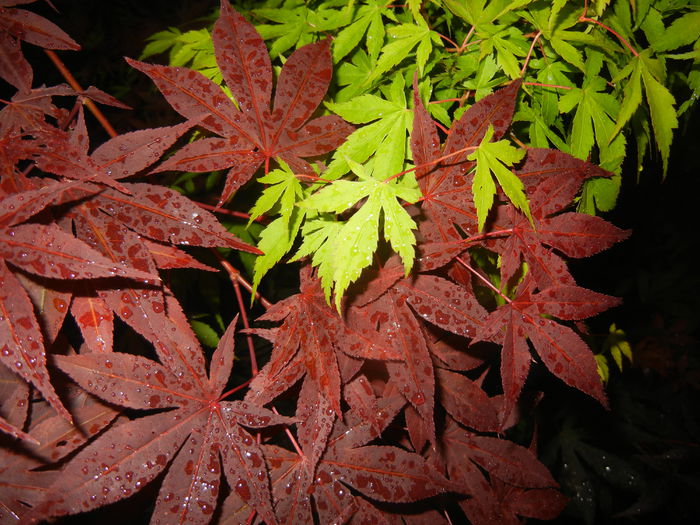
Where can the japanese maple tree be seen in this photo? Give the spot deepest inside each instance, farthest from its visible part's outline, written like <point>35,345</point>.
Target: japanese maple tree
<point>373,406</point>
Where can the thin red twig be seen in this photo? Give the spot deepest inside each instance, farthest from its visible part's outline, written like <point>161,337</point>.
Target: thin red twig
<point>237,280</point>
<point>76,86</point>
<point>431,163</point>
<point>529,53</point>
<point>553,86</point>
<point>296,446</point>
<point>483,279</point>
<point>232,213</point>
<point>584,18</point>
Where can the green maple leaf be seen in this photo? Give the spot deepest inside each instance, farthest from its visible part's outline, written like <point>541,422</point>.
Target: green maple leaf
<point>278,237</point>
<point>645,72</point>
<point>403,38</point>
<point>283,188</point>
<point>319,235</point>
<point>275,241</point>
<point>482,82</point>
<point>385,136</point>
<point>297,26</point>
<point>350,249</point>
<point>596,111</point>
<point>367,21</point>
<point>682,31</point>
<point>354,76</point>
<point>494,158</point>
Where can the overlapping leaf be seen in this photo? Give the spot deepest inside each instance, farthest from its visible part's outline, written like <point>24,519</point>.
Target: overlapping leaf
<point>255,132</point>
<point>310,341</point>
<point>202,436</point>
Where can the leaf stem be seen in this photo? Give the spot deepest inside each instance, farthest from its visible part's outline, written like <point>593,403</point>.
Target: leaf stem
<point>235,276</point>
<point>447,39</point>
<point>431,163</point>
<point>584,18</point>
<point>234,390</point>
<point>553,86</point>
<point>295,444</point>
<point>76,86</point>
<point>239,214</point>
<point>529,53</point>
<point>483,279</point>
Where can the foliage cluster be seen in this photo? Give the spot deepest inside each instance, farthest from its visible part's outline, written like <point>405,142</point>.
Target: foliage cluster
<point>441,245</point>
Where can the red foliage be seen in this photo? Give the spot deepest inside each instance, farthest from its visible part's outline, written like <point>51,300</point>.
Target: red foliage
<point>390,403</point>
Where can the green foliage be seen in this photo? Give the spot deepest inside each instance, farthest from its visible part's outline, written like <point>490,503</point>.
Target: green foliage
<point>495,157</point>
<point>603,81</point>
<point>354,243</point>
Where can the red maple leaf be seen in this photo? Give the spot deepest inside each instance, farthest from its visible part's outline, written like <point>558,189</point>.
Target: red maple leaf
<point>334,458</point>
<point>533,315</point>
<point>314,340</point>
<point>512,470</point>
<point>199,438</point>
<point>254,133</point>
<point>444,173</point>
<point>20,24</point>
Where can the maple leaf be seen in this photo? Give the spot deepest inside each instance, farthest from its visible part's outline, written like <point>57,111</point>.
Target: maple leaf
<point>296,25</point>
<point>116,224</point>
<point>357,239</point>
<point>48,252</point>
<point>494,158</point>
<point>379,473</point>
<point>557,178</point>
<point>202,435</point>
<point>413,374</point>
<point>20,24</point>
<point>530,316</point>
<point>465,454</point>
<point>443,173</point>
<point>643,71</point>
<point>595,110</point>
<point>254,133</point>
<point>311,340</point>
<point>387,120</point>
<point>50,439</point>
<point>368,20</point>
<point>404,38</point>
<point>283,191</point>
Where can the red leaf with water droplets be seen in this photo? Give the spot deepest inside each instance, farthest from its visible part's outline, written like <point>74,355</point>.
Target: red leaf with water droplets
<point>27,110</point>
<point>19,207</point>
<point>129,153</point>
<point>308,341</point>
<point>201,437</point>
<point>35,29</point>
<point>572,234</point>
<point>466,402</point>
<point>56,437</point>
<point>168,257</point>
<point>381,473</point>
<point>413,374</point>
<point>444,304</point>
<point>14,397</point>
<point>255,133</point>
<point>21,341</point>
<point>50,252</point>
<point>562,350</point>
<point>443,173</point>
<point>465,454</point>
<point>95,320</point>
<point>50,300</point>
<point>14,67</point>
<point>167,216</point>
